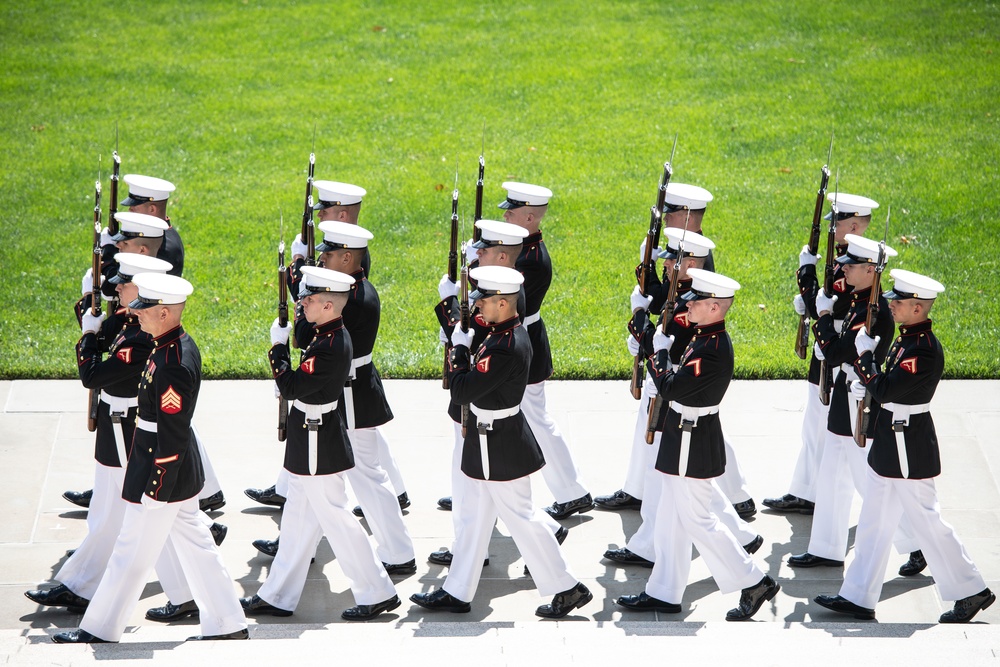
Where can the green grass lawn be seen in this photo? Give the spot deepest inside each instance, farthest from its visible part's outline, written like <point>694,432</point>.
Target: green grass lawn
<point>221,98</point>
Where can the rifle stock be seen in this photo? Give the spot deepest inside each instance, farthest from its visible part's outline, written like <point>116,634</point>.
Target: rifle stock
<point>802,334</point>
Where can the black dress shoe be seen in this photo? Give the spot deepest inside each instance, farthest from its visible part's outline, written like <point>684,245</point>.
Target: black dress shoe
<point>58,596</point>
<point>626,557</point>
<point>752,598</point>
<point>218,533</point>
<point>268,496</point>
<point>79,498</point>
<point>172,612</point>
<point>255,606</point>
<point>441,600</point>
<point>78,637</point>
<point>790,503</point>
<point>566,510</point>
<point>809,560</point>
<point>844,606</point>
<point>914,566</point>
<point>565,602</point>
<point>445,556</point>
<point>745,509</point>
<point>267,547</point>
<point>213,502</point>
<point>966,608</point>
<point>366,612</point>
<point>643,602</point>
<point>619,500</point>
<point>445,503</point>
<point>239,634</point>
<point>409,567</point>
<point>754,545</point>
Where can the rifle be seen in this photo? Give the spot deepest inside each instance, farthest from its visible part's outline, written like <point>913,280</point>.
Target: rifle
<point>452,268</point>
<point>282,321</point>
<point>825,372</point>
<point>465,319</point>
<point>308,234</point>
<point>95,294</point>
<point>648,263</point>
<point>802,336</point>
<point>478,215</point>
<point>865,406</point>
<point>656,402</point>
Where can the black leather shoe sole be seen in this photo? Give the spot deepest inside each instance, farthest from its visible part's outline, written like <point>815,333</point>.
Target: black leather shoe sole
<point>79,498</point>
<point>566,510</point>
<point>626,557</point>
<point>754,546</point>
<point>213,502</point>
<point>409,567</point>
<point>768,593</point>
<point>445,503</point>
<point>619,500</point>
<point>789,504</point>
<point>844,606</point>
<point>239,634</point>
<point>455,606</point>
<point>169,612</point>
<point>809,560</point>
<point>578,599</point>
<point>643,602</point>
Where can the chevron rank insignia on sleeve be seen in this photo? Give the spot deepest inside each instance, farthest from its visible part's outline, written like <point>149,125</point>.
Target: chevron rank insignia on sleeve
<point>170,401</point>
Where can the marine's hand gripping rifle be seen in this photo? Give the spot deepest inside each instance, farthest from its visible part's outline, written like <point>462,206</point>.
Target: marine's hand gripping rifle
<point>865,405</point>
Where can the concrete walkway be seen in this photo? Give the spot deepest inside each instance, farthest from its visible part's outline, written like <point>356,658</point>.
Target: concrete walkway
<point>46,450</point>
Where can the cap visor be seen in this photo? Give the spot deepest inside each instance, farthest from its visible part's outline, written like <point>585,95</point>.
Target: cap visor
<point>116,280</point>
<point>129,202</point>
<point>480,244</point>
<point>506,204</point>
<point>828,216</point>
<point>319,206</point>
<point>136,304</point>
<point>846,259</point>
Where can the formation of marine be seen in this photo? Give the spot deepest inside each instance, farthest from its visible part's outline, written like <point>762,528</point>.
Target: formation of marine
<point>874,367</point>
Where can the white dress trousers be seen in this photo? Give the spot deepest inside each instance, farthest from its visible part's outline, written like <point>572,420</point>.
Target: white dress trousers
<point>844,469</point>
<point>389,463</point>
<point>82,572</point>
<point>146,528</point>
<point>814,420</point>
<point>560,472</point>
<point>316,506</point>
<point>886,501</point>
<point>511,501</point>
<point>685,518</point>
<point>643,541</point>
<point>378,500</point>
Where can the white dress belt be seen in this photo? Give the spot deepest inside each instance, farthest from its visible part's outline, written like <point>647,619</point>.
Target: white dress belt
<point>689,420</point>
<point>349,390</point>
<point>314,419</point>
<point>145,425</point>
<point>900,420</point>
<point>531,319</point>
<point>485,419</point>
<point>119,407</point>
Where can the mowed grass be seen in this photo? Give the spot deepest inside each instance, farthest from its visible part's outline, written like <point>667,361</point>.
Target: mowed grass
<point>222,98</point>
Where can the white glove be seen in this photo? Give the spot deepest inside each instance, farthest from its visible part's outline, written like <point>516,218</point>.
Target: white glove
<point>799,304</point>
<point>858,391</point>
<point>662,342</point>
<point>806,258</point>
<point>148,502</point>
<point>446,288</point>
<point>442,336</point>
<point>280,334</point>
<point>87,284</point>
<point>865,343</point>
<point>471,254</point>
<point>633,345</point>
<point>642,252</point>
<point>824,302</point>
<point>106,238</point>
<point>639,302</point>
<point>459,337</point>
<point>298,247</point>
<point>92,323</point>
<point>818,352</point>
